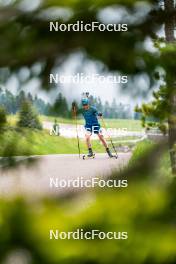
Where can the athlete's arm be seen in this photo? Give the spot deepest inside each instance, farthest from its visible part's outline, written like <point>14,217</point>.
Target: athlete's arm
<point>94,110</point>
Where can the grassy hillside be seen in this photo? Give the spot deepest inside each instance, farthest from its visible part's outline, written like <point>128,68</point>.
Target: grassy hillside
<point>16,142</point>
<point>33,142</point>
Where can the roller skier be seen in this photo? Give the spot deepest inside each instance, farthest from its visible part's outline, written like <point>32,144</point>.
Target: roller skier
<point>92,126</point>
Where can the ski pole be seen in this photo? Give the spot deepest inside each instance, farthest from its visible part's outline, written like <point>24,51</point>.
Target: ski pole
<point>76,123</point>
<point>105,126</point>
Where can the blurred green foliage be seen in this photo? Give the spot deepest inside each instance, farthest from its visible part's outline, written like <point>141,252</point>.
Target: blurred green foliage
<point>146,210</point>
<point>36,44</point>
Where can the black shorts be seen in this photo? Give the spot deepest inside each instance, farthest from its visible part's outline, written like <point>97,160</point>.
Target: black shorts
<point>96,129</point>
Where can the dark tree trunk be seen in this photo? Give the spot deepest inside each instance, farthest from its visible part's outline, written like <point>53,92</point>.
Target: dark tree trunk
<point>170,21</point>
<point>169,32</point>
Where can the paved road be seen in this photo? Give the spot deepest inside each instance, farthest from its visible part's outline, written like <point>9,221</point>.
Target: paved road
<point>34,181</point>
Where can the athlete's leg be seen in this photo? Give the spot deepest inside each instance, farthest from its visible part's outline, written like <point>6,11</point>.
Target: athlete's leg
<point>101,137</point>
<point>88,140</point>
<point>97,130</point>
<point>89,145</point>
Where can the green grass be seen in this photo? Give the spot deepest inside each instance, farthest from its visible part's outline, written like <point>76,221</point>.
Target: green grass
<point>12,120</point>
<point>164,165</point>
<point>140,150</point>
<point>132,125</point>
<point>60,120</point>
<point>26,142</point>
<point>16,142</point>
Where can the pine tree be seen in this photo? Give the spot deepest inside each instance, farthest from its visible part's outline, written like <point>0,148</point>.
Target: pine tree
<point>30,97</point>
<point>28,116</point>
<point>3,118</point>
<point>20,98</point>
<point>100,105</point>
<point>60,107</point>
<point>162,110</point>
<point>114,113</point>
<point>107,110</point>
<point>171,84</point>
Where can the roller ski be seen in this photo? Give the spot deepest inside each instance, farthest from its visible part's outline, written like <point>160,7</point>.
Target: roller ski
<point>90,155</point>
<point>111,156</point>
